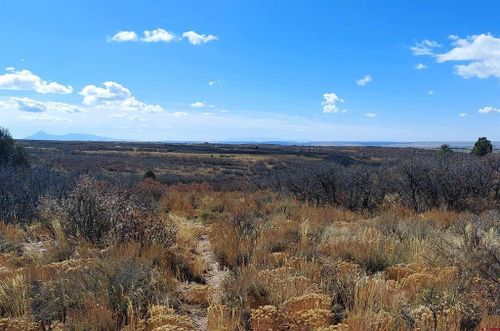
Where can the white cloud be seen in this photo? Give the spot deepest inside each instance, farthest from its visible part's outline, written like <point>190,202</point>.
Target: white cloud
<point>157,36</point>
<point>365,80</point>
<point>10,69</point>
<point>29,105</point>
<point>179,114</point>
<point>198,39</point>
<point>33,106</point>
<point>218,82</point>
<point>124,36</point>
<point>371,115</point>
<point>330,103</point>
<point>63,107</point>
<point>462,114</point>
<point>425,47</point>
<point>482,52</point>
<point>198,104</point>
<point>26,80</point>
<point>430,92</point>
<point>162,35</point>
<point>489,109</point>
<point>420,66</point>
<point>115,96</point>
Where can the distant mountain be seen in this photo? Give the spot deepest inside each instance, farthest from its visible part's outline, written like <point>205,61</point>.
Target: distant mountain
<point>42,135</point>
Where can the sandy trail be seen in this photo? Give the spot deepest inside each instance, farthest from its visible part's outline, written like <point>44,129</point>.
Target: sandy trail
<point>214,276</point>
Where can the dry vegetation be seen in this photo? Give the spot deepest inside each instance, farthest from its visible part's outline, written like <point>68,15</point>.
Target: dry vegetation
<point>94,254</point>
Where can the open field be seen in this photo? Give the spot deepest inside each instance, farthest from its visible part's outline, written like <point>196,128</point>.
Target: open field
<point>248,237</point>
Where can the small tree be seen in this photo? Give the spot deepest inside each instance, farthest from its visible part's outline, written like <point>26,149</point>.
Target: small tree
<point>482,147</point>
<point>10,154</point>
<point>445,150</point>
<point>149,175</point>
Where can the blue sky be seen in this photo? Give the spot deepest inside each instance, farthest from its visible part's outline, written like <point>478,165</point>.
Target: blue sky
<point>236,70</point>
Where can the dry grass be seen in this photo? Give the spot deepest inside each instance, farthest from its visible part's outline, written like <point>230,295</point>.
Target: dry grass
<point>196,294</point>
<point>222,318</point>
<point>292,266</point>
<point>14,301</point>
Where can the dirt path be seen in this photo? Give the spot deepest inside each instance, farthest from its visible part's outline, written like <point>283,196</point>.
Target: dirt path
<point>213,277</point>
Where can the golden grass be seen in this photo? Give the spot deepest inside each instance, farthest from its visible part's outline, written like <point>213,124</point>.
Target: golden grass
<point>292,266</point>
<point>222,318</point>
<point>265,318</point>
<point>196,294</point>
<point>18,324</point>
<point>376,294</point>
<point>307,312</point>
<point>164,318</point>
<point>14,299</point>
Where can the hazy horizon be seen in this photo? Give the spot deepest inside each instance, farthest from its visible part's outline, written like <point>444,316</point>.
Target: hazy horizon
<point>82,137</point>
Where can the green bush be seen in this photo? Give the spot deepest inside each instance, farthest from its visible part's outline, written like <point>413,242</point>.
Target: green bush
<point>10,154</point>
<point>482,147</point>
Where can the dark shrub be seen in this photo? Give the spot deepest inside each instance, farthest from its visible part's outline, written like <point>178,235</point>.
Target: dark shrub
<point>482,147</point>
<point>149,175</point>
<point>10,154</point>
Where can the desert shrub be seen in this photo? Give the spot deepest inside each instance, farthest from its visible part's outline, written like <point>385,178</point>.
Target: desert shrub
<point>88,210</point>
<point>147,195</point>
<point>51,300</point>
<point>472,245</point>
<point>146,229</point>
<point>21,191</point>
<point>457,182</point>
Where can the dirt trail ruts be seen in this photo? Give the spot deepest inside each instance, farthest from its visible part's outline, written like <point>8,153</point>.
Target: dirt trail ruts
<point>213,277</point>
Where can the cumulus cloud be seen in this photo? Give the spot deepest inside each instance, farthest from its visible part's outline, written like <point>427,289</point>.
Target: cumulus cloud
<point>197,39</point>
<point>462,114</point>
<point>198,104</point>
<point>123,36</point>
<point>26,80</point>
<point>420,66</point>
<point>331,103</point>
<point>489,109</point>
<point>162,35</point>
<point>482,52</point>
<point>424,47</point>
<point>115,96</point>
<point>371,115</point>
<point>157,36</point>
<point>365,80</point>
